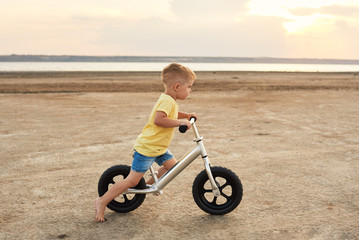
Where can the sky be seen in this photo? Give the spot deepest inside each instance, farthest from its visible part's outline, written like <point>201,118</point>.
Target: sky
<point>220,28</point>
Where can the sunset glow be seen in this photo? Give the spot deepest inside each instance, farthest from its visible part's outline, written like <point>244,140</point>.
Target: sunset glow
<point>306,20</point>
<point>316,23</point>
<point>247,28</point>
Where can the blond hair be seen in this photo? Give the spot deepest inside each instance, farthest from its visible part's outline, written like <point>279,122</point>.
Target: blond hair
<point>176,73</point>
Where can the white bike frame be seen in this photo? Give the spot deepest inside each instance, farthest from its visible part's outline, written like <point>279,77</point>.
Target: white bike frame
<point>160,183</point>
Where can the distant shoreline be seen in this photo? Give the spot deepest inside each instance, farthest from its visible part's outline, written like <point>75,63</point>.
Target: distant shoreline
<point>74,58</point>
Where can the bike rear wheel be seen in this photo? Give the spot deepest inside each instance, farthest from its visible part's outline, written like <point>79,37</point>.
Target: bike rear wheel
<point>125,202</point>
<point>230,187</point>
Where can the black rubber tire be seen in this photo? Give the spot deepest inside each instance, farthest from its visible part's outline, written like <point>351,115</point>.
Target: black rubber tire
<point>128,203</point>
<point>227,181</point>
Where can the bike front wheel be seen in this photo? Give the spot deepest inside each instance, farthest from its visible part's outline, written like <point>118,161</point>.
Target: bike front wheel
<point>230,187</point>
<point>125,202</point>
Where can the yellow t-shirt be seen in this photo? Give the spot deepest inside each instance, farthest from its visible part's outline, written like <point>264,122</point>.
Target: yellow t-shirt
<point>154,140</point>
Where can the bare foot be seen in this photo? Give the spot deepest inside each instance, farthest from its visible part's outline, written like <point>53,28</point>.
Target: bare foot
<point>99,211</point>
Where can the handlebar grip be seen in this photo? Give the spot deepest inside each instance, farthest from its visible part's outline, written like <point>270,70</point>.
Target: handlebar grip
<point>193,119</point>
<point>183,128</point>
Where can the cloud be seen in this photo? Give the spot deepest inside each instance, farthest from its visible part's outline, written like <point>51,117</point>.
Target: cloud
<point>335,10</point>
<point>217,39</point>
<point>207,9</point>
<point>180,27</point>
<point>340,10</point>
<point>197,28</point>
<point>339,41</point>
<point>303,11</point>
<point>339,44</point>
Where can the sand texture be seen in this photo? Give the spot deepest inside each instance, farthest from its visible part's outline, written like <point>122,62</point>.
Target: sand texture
<point>292,138</point>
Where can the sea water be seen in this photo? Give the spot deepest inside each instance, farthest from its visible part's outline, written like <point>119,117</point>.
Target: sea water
<point>158,66</point>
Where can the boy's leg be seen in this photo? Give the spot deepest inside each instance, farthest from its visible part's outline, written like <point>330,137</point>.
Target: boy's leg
<point>119,187</point>
<point>162,170</point>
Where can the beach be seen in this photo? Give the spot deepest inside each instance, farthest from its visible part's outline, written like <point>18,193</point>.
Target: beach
<point>291,137</point>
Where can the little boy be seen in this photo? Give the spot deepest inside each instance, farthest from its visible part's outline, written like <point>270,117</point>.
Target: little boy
<point>151,145</point>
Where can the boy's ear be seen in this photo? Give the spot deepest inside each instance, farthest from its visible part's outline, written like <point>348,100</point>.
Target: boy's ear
<point>176,87</point>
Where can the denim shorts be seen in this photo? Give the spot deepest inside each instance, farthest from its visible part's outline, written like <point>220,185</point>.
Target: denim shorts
<point>142,163</point>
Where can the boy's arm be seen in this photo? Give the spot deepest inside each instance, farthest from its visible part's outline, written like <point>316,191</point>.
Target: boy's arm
<point>162,120</point>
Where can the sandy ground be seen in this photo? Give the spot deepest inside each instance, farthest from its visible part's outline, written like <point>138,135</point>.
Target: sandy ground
<point>292,138</point>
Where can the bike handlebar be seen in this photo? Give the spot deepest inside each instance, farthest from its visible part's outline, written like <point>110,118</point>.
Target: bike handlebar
<point>183,128</point>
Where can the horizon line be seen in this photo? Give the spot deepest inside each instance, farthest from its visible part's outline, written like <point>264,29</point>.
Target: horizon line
<point>172,56</point>
<point>188,59</point>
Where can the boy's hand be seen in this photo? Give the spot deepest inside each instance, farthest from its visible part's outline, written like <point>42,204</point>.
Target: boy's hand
<point>186,123</point>
<point>189,115</point>
<point>182,115</point>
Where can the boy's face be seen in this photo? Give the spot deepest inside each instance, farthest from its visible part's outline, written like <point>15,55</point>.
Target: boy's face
<point>184,89</point>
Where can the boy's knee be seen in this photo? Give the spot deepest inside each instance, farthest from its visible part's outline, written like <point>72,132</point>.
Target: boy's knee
<point>132,182</point>
<point>169,164</point>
